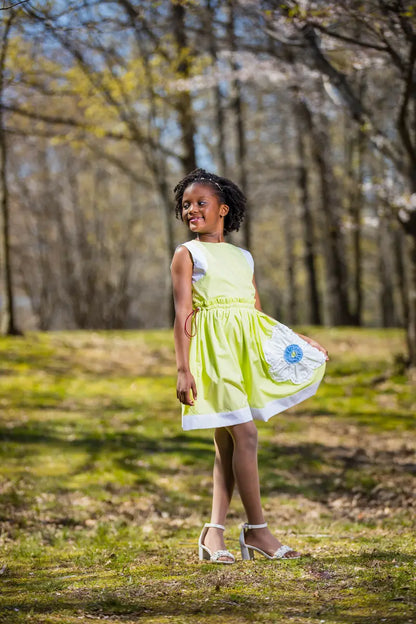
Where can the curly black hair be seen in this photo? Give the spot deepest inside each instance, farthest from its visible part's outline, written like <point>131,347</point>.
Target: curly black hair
<point>226,191</point>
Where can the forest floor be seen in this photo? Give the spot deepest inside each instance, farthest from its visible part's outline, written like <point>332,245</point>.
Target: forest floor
<point>102,496</point>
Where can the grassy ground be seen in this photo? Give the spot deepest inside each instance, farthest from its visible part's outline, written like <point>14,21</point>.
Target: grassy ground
<point>102,496</point>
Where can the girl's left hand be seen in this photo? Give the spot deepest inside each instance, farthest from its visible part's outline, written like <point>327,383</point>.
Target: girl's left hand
<point>315,344</point>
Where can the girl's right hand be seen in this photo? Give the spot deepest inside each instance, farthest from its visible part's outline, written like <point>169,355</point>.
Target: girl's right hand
<point>186,384</point>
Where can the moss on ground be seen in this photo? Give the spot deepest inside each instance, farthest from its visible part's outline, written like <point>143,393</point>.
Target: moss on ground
<point>102,495</point>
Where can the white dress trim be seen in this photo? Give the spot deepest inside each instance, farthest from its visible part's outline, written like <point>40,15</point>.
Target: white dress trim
<point>199,259</point>
<point>222,419</point>
<point>248,257</point>
<point>245,414</point>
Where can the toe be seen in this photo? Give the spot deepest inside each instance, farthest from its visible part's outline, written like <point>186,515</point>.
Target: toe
<point>292,554</point>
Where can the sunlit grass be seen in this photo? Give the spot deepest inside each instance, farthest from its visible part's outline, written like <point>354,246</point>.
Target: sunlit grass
<point>102,495</point>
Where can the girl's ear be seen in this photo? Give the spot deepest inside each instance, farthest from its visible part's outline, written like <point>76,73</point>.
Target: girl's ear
<point>224,209</point>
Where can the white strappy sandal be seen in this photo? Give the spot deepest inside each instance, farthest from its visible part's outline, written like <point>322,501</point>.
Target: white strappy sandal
<point>205,554</point>
<point>247,551</point>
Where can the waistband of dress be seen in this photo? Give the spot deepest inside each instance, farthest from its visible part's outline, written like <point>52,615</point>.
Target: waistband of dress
<point>225,302</point>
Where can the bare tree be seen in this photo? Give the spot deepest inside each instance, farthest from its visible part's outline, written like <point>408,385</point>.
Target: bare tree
<point>126,85</point>
<point>355,148</point>
<point>144,131</point>
<point>8,324</point>
<point>384,30</point>
<point>302,130</point>
<point>335,263</point>
<point>237,108</point>
<point>183,99</point>
<point>218,98</point>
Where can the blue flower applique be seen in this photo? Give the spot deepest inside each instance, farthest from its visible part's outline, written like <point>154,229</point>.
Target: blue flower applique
<point>291,358</point>
<point>293,354</point>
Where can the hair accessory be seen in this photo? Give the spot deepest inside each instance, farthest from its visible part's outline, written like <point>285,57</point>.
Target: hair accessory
<point>209,180</point>
<point>192,316</point>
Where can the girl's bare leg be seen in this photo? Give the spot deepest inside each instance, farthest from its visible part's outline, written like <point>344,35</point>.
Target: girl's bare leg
<point>223,487</point>
<point>247,478</point>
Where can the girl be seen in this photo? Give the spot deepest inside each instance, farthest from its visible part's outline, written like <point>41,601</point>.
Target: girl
<point>235,364</point>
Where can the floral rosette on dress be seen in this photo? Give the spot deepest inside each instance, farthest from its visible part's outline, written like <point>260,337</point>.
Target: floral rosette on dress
<point>290,358</point>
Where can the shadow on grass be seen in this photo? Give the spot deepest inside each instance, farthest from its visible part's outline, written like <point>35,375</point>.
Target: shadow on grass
<point>148,458</point>
<point>321,469</point>
<point>314,470</point>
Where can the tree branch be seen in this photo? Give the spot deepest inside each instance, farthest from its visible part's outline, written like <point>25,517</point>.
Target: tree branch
<point>405,23</point>
<point>120,164</point>
<point>65,121</point>
<point>11,6</point>
<point>353,40</point>
<point>401,121</point>
<point>358,112</point>
<point>363,44</point>
<point>125,115</point>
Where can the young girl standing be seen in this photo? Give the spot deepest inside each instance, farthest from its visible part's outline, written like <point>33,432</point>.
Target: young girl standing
<point>235,363</point>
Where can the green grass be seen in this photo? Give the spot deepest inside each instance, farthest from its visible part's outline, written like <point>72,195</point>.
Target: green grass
<point>102,496</point>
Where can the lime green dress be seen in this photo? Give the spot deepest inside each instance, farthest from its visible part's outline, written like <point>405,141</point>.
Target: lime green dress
<point>246,365</point>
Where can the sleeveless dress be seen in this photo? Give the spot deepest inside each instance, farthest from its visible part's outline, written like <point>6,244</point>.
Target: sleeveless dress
<point>246,365</point>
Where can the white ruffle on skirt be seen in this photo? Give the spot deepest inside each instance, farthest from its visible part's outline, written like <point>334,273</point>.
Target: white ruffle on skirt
<point>290,358</point>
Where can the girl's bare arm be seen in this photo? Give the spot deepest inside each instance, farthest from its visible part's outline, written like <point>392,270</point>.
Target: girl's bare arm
<point>257,304</point>
<point>181,272</point>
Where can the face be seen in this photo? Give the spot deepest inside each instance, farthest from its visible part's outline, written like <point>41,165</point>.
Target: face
<point>201,209</point>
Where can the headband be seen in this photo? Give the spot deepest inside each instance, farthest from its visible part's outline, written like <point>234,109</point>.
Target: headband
<point>209,180</point>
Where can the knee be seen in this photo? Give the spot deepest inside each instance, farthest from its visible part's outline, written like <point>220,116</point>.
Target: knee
<point>245,436</point>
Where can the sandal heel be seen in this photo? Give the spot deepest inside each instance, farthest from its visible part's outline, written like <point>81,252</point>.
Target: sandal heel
<point>203,553</point>
<point>215,557</point>
<point>246,553</point>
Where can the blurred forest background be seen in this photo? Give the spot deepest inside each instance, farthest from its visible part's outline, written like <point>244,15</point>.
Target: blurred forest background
<point>309,106</point>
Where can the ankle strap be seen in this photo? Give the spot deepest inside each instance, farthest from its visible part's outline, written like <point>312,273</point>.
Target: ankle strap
<point>210,525</point>
<point>255,526</point>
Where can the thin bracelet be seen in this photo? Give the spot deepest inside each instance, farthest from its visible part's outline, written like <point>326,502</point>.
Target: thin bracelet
<point>192,316</point>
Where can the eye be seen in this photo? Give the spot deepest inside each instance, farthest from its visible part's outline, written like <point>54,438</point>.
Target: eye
<point>185,206</point>
<point>201,203</point>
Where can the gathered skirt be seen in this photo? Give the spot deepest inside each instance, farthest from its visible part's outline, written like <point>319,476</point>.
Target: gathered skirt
<point>246,365</point>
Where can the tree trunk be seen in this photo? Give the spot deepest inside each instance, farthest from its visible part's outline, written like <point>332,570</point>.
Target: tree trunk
<point>355,153</point>
<point>399,251</point>
<point>405,127</point>
<point>408,222</point>
<point>36,262</point>
<point>292,308</point>
<point>160,176</point>
<point>388,316</point>
<point>306,218</point>
<point>184,102</point>
<point>237,108</point>
<point>336,270</point>
<point>8,326</point>
<point>409,225</point>
<point>288,222</point>
<point>218,98</point>
<point>411,327</point>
